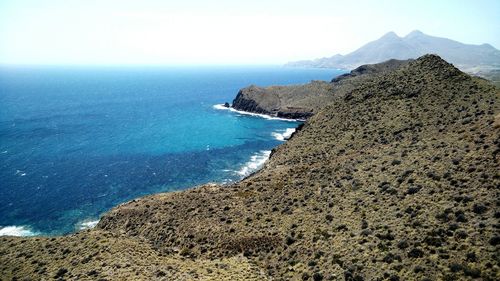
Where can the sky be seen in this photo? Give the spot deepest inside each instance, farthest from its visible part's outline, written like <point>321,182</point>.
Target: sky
<point>224,32</point>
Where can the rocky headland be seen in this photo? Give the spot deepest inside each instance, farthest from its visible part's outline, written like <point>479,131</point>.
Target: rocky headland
<point>396,176</point>
<point>302,101</point>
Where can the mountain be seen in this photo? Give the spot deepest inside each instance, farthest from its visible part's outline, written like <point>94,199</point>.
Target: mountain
<point>394,179</point>
<point>470,58</point>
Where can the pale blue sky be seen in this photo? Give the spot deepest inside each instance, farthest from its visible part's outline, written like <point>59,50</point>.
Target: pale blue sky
<point>224,32</point>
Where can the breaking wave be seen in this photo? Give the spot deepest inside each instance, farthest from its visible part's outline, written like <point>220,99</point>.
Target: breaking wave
<point>16,231</point>
<point>256,162</point>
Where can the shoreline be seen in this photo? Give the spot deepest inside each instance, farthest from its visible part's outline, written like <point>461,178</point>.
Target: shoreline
<point>255,163</point>
<point>265,116</point>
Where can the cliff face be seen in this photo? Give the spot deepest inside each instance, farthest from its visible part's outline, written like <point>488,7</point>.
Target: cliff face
<point>302,101</point>
<point>397,178</point>
<point>295,102</point>
<point>256,99</point>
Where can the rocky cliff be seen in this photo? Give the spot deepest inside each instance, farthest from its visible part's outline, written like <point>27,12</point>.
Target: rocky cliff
<point>302,101</point>
<point>395,179</point>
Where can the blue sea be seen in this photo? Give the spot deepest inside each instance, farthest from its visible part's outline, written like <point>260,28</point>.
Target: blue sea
<point>77,141</point>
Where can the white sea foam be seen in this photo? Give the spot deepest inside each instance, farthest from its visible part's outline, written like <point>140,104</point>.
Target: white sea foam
<point>256,162</point>
<point>268,117</point>
<point>284,135</point>
<point>87,224</point>
<point>20,173</point>
<point>16,231</point>
<point>220,107</point>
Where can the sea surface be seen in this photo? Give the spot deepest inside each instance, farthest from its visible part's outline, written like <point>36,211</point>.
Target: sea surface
<point>77,141</point>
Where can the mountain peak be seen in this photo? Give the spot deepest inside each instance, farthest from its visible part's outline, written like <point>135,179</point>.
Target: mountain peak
<point>389,35</point>
<point>487,46</point>
<point>433,63</point>
<point>414,33</point>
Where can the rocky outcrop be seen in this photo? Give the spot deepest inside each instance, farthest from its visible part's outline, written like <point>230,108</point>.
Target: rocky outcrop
<point>302,101</point>
<point>292,102</point>
<point>257,100</point>
<point>295,113</point>
<point>395,179</point>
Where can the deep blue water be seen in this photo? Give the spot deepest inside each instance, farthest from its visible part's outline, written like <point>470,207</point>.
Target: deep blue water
<point>74,142</point>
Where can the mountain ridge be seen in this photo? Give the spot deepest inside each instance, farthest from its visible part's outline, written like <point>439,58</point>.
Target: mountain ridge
<point>466,57</point>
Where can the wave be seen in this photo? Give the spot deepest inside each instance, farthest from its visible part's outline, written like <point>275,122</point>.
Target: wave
<point>20,173</point>
<point>285,135</point>
<point>16,231</point>
<point>256,162</point>
<point>87,224</point>
<point>265,116</point>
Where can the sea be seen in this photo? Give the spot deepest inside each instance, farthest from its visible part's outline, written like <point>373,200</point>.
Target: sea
<point>77,141</point>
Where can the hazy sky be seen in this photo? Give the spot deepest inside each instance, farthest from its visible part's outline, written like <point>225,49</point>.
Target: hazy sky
<point>224,32</point>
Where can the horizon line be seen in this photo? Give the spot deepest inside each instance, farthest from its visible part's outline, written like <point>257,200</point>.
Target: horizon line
<point>137,65</point>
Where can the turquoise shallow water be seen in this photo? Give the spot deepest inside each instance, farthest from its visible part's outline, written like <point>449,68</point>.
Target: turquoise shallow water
<point>74,142</point>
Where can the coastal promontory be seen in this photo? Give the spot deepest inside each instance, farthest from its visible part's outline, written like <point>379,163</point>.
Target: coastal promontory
<point>302,101</point>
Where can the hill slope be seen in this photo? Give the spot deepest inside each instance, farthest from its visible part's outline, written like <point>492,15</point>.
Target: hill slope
<point>302,101</point>
<point>395,179</point>
<point>471,58</point>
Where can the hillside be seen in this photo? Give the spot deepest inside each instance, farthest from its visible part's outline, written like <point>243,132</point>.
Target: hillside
<point>467,57</point>
<point>303,101</point>
<point>395,179</point>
